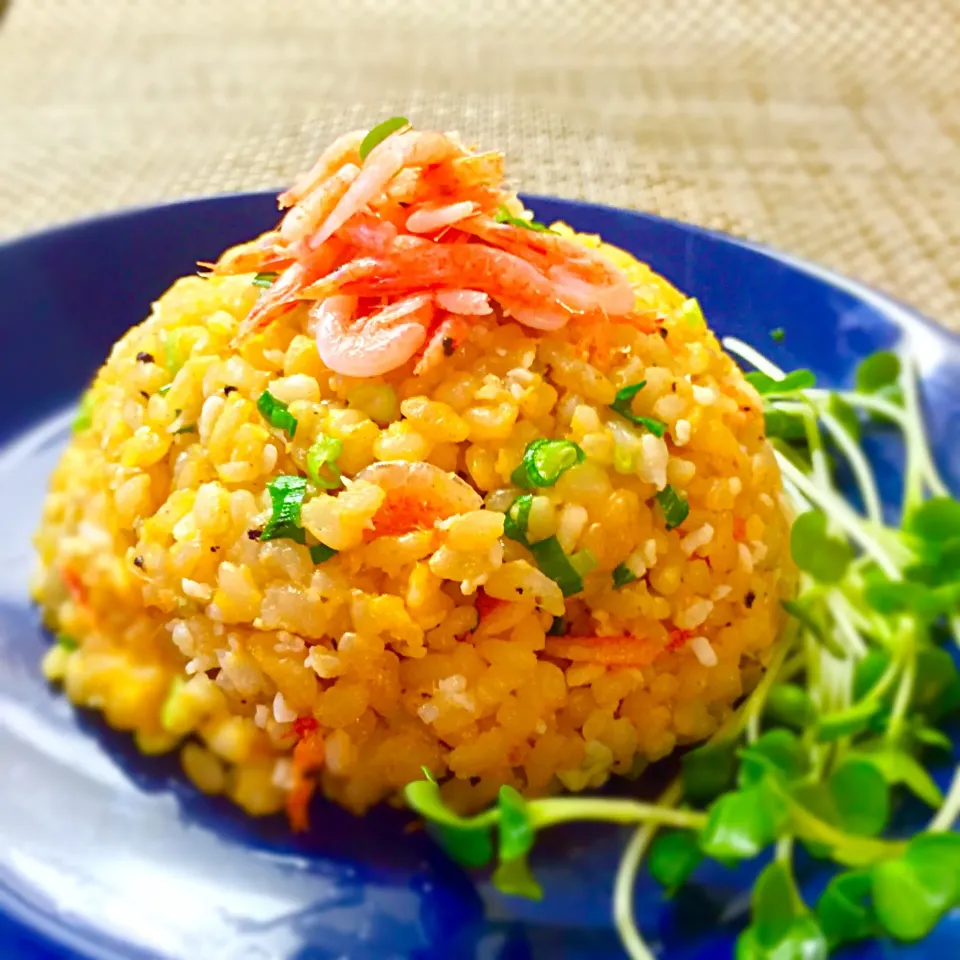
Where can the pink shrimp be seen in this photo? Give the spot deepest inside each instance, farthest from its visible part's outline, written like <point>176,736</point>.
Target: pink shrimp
<point>584,279</point>
<point>303,219</point>
<point>286,291</point>
<point>539,317</point>
<point>466,303</point>
<point>428,219</point>
<point>443,343</point>
<point>417,265</point>
<point>256,256</point>
<point>385,161</point>
<point>376,344</point>
<point>345,149</point>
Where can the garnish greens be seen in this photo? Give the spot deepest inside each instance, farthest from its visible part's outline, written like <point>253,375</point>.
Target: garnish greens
<point>622,404</point>
<point>286,497</point>
<point>503,215</point>
<point>277,414</point>
<point>380,132</point>
<point>545,461</point>
<point>841,724</point>
<point>84,415</point>
<point>322,466</point>
<point>321,553</point>
<point>265,279</point>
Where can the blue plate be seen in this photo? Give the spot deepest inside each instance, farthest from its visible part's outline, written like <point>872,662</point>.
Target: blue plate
<point>104,853</point>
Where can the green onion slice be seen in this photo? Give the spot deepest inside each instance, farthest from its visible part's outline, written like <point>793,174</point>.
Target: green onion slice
<point>503,215</point>
<point>545,461</point>
<point>622,575</point>
<point>321,553</point>
<point>622,404</point>
<point>265,279</point>
<point>277,414</point>
<point>556,565</point>
<point>322,461</point>
<point>517,518</point>
<point>380,132</point>
<point>558,628</point>
<point>584,561</point>
<point>84,417</point>
<point>286,496</point>
<point>67,642</point>
<point>675,508</point>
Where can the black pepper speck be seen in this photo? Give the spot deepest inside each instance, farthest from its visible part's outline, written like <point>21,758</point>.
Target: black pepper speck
<point>228,389</point>
<point>448,346</point>
<point>138,562</point>
<point>144,357</point>
<point>254,534</point>
<point>749,599</point>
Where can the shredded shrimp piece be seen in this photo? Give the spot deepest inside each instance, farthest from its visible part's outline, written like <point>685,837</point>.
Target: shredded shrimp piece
<point>375,345</point>
<point>345,149</point>
<point>285,292</point>
<point>385,161</point>
<point>256,256</point>
<point>543,317</point>
<point>427,220</point>
<point>424,265</point>
<point>304,218</point>
<point>443,343</point>
<point>467,303</point>
<point>417,496</point>
<point>371,235</point>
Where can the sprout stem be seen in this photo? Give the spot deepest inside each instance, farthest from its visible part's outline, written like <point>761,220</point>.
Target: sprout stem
<point>547,813</point>
<point>950,810</point>
<point>623,915</point>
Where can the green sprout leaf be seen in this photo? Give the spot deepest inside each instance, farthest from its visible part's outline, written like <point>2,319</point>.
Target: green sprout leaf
<point>778,752</point>
<point>911,894</point>
<point>513,877</point>
<point>845,415</point>
<point>790,704</point>
<point>783,425</point>
<point>862,797</point>
<point>844,908</point>
<point>380,132</point>
<point>467,841</point>
<point>708,771</point>
<point>879,370</point>
<point>673,857</point>
<point>824,557</point>
<point>743,822</point>
<point>515,827</point>
<point>899,767</point>
<point>791,383</point>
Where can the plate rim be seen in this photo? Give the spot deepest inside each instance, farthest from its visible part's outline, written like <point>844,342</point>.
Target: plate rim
<point>67,940</point>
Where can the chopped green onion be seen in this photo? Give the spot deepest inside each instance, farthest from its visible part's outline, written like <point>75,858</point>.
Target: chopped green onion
<point>321,553</point>
<point>164,390</point>
<point>556,565</point>
<point>189,428</point>
<point>380,132</point>
<point>797,380</point>
<point>517,517</point>
<point>286,496</point>
<point>691,314</point>
<point>778,334</point>
<point>503,215</point>
<point>622,404</point>
<point>322,461</point>
<point>84,417</point>
<point>622,575</point>
<point>584,562</point>
<point>545,461</point>
<point>265,279</point>
<point>277,414</point>
<point>67,642</point>
<point>558,628</point>
<point>675,508</point>
<point>173,351</point>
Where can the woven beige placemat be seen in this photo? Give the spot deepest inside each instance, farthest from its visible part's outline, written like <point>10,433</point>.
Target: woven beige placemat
<point>829,128</point>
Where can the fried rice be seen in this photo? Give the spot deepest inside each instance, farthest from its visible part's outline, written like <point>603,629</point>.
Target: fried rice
<point>397,625</point>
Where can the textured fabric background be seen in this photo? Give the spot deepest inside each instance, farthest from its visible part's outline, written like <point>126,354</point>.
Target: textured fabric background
<point>830,128</point>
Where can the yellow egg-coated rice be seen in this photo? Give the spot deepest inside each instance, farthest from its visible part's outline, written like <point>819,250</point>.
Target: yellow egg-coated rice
<point>431,647</point>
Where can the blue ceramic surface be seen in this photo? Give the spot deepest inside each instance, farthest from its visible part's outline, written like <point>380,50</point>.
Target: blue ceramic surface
<point>107,854</point>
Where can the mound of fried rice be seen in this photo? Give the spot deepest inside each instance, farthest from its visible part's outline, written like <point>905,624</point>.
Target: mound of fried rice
<point>441,645</point>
